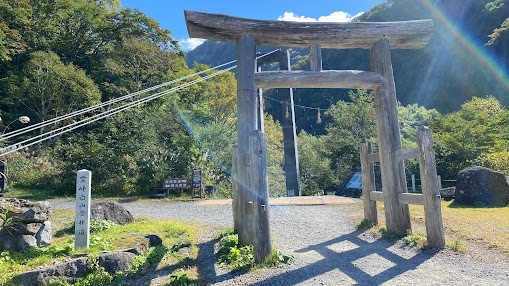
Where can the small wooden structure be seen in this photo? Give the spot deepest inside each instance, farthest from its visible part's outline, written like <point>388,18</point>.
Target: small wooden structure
<point>250,193</point>
<point>430,196</point>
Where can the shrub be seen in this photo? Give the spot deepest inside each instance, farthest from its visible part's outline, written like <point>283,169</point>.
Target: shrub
<point>364,224</point>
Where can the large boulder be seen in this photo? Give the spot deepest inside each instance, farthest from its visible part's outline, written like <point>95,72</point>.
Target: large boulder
<point>27,224</point>
<point>479,185</point>
<point>70,271</point>
<point>26,211</point>
<point>111,211</point>
<point>114,262</point>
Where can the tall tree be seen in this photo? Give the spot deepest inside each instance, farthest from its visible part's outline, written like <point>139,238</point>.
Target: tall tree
<point>52,88</point>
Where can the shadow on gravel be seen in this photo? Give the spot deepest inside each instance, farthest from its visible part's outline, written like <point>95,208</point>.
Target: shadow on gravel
<point>354,261</point>
<point>206,261</point>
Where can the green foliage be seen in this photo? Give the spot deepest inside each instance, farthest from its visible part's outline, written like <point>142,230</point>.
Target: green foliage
<point>15,15</point>
<point>52,88</point>
<point>35,171</point>
<point>181,279</point>
<point>386,234</point>
<point>97,275</point>
<point>314,164</point>
<point>242,258</point>
<point>8,219</point>
<point>364,224</point>
<point>472,135</point>
<point>239,259</point>
<point>275,157</point>
<point>350,123</point>
<point>13,263</point>
<point>418,238</point>
<point>276,258</point>
<point>97,226</point>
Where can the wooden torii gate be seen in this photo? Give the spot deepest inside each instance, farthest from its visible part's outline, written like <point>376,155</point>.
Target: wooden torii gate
<point>250,204</point>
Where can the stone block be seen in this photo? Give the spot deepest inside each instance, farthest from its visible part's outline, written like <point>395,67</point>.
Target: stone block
<point>114,262</point>
<point>43,236</point>
<point>111,211</point>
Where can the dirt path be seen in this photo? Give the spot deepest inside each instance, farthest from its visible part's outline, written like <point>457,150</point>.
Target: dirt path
<point>327,248</point>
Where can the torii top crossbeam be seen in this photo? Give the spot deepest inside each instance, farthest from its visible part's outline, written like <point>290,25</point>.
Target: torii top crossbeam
<point>361,35</point>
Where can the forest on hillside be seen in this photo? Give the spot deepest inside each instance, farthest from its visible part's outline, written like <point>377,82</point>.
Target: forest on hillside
<point>468,51</point>
<point>58,56</point>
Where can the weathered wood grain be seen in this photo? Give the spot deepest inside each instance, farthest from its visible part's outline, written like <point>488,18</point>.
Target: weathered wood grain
<point>368,182</point>
<point>373,157</point>
<point>403,154</point>
<point>397,215</point>
<point>352,79</point>
<point>262,244</point>
<point>350,35</point>
<point>315,58</point>
<point>376,196</point>
<point>430,190</point>
<point>411,199</point>
<point>246,123</point>
<point>235,190</point>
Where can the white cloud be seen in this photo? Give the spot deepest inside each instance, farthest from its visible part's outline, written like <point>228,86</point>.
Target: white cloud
<point>290,16</point>
<point>338,16</point>
<point>190,43</point>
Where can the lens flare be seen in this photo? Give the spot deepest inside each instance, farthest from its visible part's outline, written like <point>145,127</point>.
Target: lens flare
<point>211,156</point>
<point>471,45</point>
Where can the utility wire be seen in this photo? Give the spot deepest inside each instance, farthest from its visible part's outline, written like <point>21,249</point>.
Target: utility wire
<point>105,114</point>
<point>110,112</point>
<point>90,108</point>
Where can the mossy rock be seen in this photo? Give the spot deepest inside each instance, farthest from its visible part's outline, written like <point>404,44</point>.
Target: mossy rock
<point>138,243</point>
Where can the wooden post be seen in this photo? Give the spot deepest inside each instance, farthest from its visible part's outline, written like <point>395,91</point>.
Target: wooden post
<point>413,183</point>
<point>430,191</point>
<point>315,58</point>
<point>235,190</point>
<point>397,215</point>
<point>82,222</point>
<point>247,114</point>
<point>262,244</point>
<point>368,182</point>
<point>439,182</point>
<point>289,134</point>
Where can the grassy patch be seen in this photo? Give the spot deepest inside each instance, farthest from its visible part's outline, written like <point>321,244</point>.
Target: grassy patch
<point>486,225</point>
<point>242,258</point>
<point>34,194</point>
<point>176,236</point>
<point>456,245</point>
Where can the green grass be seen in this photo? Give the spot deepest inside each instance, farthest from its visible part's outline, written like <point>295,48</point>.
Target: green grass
<point>20,192</point>
<point>108,236</point>
<point>488,226</point>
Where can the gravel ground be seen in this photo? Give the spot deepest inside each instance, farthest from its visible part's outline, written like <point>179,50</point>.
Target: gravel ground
<point>328,250</point>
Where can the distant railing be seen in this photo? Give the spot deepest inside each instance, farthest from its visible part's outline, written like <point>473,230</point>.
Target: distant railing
<point>414,187</point>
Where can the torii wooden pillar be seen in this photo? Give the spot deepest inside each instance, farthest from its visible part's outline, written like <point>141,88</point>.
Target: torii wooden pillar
<point>377,37</point>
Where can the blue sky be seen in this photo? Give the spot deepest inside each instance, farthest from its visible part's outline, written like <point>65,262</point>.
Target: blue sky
<point>170,13</point>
